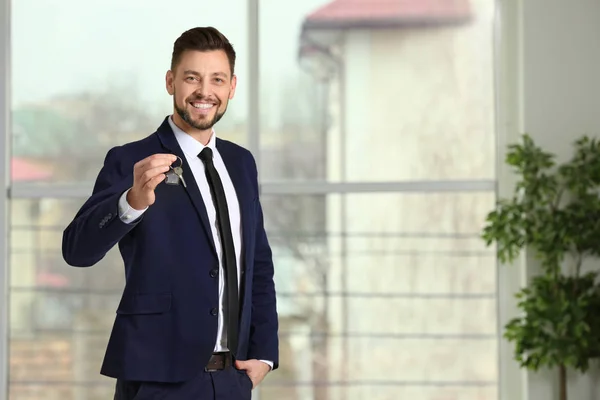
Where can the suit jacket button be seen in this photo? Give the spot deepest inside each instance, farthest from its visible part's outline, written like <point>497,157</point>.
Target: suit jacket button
<point>214,273</point>
<point>214,311</point>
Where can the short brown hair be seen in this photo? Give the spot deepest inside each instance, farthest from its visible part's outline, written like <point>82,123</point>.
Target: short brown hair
<point>202,39</point>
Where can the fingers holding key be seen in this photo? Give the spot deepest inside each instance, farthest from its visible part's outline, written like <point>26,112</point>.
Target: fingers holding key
<point>153,162</point>
<point>147,175</point>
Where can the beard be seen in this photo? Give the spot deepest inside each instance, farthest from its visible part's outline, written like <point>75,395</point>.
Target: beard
<point>200,124</point>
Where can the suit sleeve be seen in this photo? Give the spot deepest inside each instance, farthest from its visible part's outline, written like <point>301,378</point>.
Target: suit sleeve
<point>264,341</point>
<point>97,227</point>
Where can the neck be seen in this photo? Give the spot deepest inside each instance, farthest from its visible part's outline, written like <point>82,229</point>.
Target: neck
<point>202,136</point>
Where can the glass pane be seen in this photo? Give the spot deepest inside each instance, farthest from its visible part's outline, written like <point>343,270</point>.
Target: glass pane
<point>366,92</point>
<point>98,79</point>
<point>383,296</point>
<point>60,317</point>
<point>402,279</point>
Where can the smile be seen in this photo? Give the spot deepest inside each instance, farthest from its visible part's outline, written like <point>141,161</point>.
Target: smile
<point>202,106</point>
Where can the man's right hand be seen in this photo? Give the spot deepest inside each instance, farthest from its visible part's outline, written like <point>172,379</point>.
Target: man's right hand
<point>147,174</point>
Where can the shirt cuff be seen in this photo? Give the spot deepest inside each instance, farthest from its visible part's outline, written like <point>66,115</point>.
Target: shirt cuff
<point>269,363</point>
<point>126,213</point>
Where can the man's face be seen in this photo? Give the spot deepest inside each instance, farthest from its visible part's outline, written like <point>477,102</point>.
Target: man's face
<point>201,86</point>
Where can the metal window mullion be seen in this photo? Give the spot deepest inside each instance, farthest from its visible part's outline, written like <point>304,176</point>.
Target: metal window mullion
<point>82,191</point>
<point>254,95</point>
<point>508,91</point>
<point>4,183</point>
<point>253,81</point>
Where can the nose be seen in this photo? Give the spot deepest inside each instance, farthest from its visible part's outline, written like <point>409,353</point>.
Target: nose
<point>203,89</point>
<point>201,93</point>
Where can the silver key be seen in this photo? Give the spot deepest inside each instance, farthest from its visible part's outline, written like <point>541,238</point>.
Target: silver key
<point>179,172</point>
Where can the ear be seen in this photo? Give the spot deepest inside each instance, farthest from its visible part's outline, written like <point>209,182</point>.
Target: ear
<point>233,85</point>
<point>170,82</point>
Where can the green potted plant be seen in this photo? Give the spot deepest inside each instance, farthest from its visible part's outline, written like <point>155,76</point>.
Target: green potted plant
<point>553,214</point>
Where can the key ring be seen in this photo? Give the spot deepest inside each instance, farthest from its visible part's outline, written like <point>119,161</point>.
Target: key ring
<point>180,163</point>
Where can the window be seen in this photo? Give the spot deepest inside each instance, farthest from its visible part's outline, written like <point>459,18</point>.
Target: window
<point>97,78</point>
<point>379,303</point>
<point>377,152</point>
<point>356,92</point>
<point>376,155</point>
<point>94,81</point>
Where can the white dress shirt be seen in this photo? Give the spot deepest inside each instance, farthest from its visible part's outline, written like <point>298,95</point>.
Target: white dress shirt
<point>191,149</point>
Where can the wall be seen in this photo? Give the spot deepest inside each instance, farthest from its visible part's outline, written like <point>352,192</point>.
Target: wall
<point>549,88</point>
<point>561,86</point>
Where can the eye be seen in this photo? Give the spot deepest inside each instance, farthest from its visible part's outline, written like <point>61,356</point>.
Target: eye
<point>190,78</point>
<point>219,80</point>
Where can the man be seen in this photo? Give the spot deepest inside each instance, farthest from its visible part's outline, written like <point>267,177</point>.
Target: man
<point>197,318</point>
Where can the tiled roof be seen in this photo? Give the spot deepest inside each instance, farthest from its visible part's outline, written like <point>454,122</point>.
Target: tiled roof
<point>24,170</point>
<point>358,13</point>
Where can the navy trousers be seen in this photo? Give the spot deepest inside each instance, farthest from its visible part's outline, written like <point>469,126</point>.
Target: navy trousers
<point>227,384</point>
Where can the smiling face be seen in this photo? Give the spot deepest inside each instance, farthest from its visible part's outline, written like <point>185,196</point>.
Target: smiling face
<point>201,84</point>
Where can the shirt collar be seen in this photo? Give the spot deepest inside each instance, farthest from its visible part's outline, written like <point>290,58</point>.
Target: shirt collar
<point>188,144</point>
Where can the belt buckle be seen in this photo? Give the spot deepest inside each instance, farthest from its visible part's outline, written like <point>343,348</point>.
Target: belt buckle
<point>208,369</point>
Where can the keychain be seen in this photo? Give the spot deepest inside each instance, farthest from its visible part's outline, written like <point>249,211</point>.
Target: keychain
<point>175,175</point>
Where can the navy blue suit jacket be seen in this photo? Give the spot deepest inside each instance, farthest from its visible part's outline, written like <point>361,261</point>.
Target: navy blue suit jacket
<point>165,327</point>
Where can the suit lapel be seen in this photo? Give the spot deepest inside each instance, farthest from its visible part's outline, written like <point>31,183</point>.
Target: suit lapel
<point>169,142</point>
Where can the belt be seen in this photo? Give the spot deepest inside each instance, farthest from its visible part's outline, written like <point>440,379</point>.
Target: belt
<point>219,361</point>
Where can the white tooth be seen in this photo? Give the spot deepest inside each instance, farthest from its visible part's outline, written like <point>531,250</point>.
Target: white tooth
<point>205,106</point>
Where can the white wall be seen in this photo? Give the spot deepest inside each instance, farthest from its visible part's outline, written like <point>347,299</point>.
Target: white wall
<point>549,85</point>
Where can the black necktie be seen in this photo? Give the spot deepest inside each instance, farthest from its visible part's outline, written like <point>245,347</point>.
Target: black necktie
<point>231,286</point>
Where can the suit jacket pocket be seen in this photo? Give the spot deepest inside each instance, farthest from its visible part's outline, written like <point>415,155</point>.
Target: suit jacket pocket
<point>145,303</point>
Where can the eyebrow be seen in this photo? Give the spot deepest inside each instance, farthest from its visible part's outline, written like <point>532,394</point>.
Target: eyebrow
<point>195,73</point>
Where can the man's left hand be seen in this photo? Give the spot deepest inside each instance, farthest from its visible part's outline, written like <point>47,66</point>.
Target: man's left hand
<point>256,370</point>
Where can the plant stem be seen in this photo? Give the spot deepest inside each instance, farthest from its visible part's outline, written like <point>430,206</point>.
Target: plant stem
<point>578,264</point>
<point>562,375</point>
<point>556,202</point>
